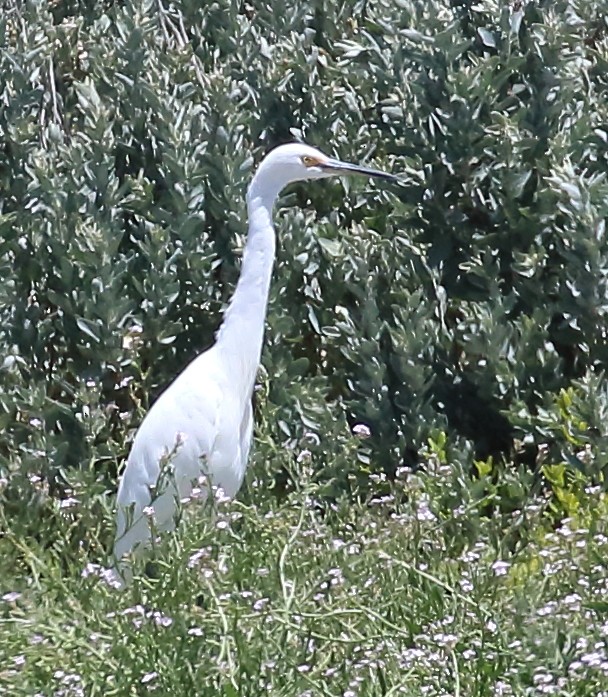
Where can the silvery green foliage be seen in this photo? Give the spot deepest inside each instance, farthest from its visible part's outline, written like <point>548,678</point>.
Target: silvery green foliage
<point>462,302</point>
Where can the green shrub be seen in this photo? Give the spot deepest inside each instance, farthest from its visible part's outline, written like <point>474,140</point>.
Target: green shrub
<point>466,300</point>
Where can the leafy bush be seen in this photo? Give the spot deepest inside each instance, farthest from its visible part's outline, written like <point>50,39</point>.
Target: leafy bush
<point>465,300</point>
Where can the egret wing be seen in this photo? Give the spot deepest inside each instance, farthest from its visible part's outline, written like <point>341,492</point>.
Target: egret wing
<point>174,445</point>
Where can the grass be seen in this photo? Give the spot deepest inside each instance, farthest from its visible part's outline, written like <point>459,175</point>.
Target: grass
<point>397,593</point>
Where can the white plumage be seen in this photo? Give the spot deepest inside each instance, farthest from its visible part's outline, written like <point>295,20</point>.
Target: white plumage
<point>202,423</point>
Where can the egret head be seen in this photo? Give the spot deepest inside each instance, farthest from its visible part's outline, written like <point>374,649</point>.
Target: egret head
<point>298,162</point>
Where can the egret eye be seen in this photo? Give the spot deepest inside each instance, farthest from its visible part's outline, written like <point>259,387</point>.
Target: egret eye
<point>309,161</point>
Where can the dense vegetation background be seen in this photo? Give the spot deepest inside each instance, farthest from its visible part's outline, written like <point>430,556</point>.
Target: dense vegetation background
<point>460,317</point>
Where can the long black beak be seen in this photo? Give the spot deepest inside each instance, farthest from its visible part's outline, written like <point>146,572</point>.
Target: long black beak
<point>339,167</point>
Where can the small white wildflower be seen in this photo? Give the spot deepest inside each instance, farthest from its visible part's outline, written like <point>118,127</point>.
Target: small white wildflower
<point>542,678</point>
<point>195,631</point>
<point>134,610</point>
<point>500,568</point>
<point>90,570</point>
<point>68,503</point>
<point>196,557</point>
<point>466,585</point>
<point>362,430</point>
<point>131,338</point>
<point>593,659</point>
<point>573,600</point>
<point>423,511</point>
<point>304,456</point>
<point>448,640</point>
<point>161,620</point>
<point>547,609</point>
<point>111,578</point>
<point>220,495</point>
<point>148,511</point>
<point>469,556</point>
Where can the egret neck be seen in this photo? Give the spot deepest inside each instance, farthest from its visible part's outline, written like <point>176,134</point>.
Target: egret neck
<point>242,332</point>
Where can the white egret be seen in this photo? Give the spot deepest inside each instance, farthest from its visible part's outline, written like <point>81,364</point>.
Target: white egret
<point>202,423</point>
